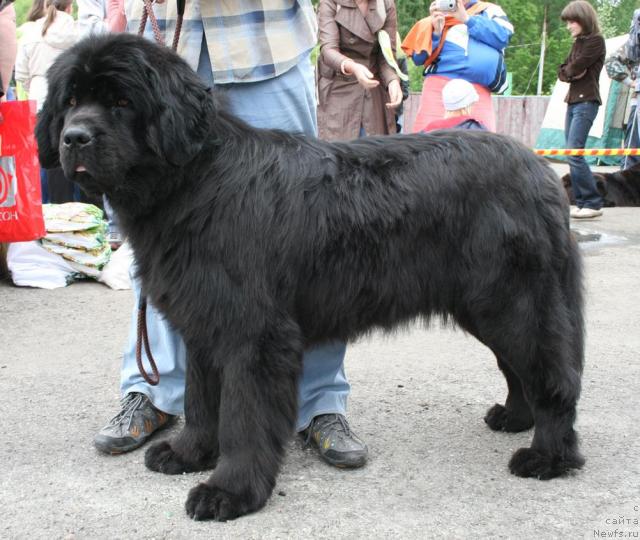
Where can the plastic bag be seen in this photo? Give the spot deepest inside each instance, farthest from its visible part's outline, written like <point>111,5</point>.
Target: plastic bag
<point>33,266</point>
<point>20,197</point>
<point>116,272</point>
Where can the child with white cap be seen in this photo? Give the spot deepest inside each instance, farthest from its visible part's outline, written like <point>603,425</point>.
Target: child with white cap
<point>458,97</point>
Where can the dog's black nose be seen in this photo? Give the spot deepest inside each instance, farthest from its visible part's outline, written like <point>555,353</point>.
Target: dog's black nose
<point>77,136</point>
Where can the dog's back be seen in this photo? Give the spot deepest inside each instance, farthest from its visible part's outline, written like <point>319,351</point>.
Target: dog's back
<point>429,216</point>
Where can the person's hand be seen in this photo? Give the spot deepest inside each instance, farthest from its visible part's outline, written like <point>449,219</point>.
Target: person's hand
<point>461,13</point>
<point>395,94</point>
<point>361,73</point>
<point>437,19</point>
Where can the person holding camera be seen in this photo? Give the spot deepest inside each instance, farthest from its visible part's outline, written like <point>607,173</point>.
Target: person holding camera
<point>460,41</point>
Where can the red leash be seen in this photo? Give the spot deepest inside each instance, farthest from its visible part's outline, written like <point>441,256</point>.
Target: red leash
<point>148,13</point>
<point>143,336</point>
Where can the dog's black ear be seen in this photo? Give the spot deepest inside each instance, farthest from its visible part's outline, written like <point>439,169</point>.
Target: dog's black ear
<point>51,116</point>
<point>47,133</point>
<point>180,129</point>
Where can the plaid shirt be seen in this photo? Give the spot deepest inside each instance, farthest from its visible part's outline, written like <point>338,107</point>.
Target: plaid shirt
<point>248,40</point>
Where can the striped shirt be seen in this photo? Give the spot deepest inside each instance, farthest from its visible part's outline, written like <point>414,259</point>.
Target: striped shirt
<point>247,40</point>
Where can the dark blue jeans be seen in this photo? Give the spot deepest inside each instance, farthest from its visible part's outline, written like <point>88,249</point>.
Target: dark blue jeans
<point>577,124</point>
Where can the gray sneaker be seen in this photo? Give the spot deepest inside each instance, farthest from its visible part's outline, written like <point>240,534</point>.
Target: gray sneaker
<point>335,441</point>
<point>132,426</point>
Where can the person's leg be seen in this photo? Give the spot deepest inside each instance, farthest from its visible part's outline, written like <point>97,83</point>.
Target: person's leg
<point>169,353</point>
<point>323,386</point>
<point>632,138</point>
<point>582,180</point>
<point>146,408</point>
<point>568,119</point>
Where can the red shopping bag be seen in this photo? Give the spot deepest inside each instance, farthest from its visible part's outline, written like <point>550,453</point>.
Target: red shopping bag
<point>20,197</point>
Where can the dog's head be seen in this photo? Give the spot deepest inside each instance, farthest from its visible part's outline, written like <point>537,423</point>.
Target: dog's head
<point>118,104</point>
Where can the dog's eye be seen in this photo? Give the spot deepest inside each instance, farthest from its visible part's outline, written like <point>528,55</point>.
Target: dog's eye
<point>122,102</point>
<point>72,101</point>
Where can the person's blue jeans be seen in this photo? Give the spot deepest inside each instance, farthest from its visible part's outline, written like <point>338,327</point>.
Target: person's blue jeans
<point>285,102</point>
<point>578,122</point>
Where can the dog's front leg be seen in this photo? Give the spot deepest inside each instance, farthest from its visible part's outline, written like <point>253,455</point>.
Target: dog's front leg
<point>196,447</point>
<point>258,407</point>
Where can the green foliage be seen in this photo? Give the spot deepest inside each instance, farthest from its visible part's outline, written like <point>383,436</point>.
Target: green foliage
<point>615,16</point>
<point>22,7</point>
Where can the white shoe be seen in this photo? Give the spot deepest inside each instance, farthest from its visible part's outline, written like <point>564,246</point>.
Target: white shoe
<point>574,211</point>
<point>586,213</point>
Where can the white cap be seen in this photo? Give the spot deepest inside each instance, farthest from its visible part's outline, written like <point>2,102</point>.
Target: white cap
<point>458,94</point>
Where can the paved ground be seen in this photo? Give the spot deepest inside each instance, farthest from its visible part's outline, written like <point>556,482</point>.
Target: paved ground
<point>418,400</point>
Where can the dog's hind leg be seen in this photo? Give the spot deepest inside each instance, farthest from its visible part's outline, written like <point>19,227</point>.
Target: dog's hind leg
<point>552,379</point>
<point>536,327</point>
<point>258,407</point>
<point>549,371</point>
<point>549,364</point>
<point>195,448</point>
<point>515,415</point>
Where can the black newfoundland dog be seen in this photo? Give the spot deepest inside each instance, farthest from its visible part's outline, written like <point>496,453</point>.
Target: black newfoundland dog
<point>257,244</point>
<point>619,188</point>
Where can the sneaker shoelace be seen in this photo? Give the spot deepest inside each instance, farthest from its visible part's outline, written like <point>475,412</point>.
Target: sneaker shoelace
<point>129,405</point>
<point>326,423</point>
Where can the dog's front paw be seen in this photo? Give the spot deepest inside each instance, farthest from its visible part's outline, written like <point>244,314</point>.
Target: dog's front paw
<point>211,502</point>
<point>528,462</point>
<point>498,418</point>
<point>160,457</point>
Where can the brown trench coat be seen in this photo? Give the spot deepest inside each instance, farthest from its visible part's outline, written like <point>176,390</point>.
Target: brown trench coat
<point>343,104</point>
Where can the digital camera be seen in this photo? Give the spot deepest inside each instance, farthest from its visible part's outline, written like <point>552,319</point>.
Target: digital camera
<point>445,5</point>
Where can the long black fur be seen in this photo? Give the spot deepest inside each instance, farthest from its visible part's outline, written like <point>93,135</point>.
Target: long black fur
<point>257,244</point>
